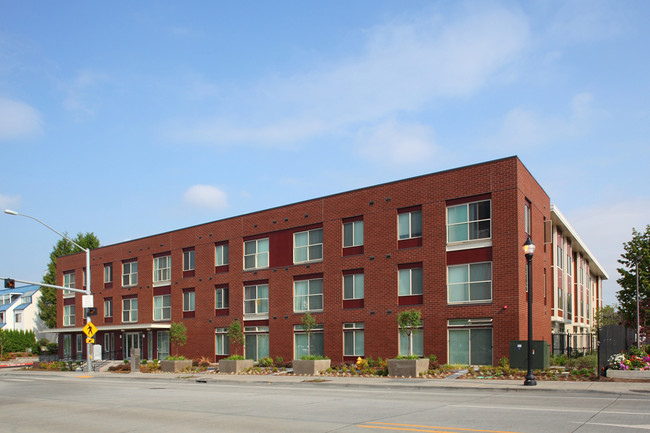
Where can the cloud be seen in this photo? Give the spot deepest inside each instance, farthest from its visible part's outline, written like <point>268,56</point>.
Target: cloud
<point>81,99</point>
<point>18,120</point>
<point>402,66</point>
<point>207,197</point>
<point>7,201</point>
<point>392,143</point>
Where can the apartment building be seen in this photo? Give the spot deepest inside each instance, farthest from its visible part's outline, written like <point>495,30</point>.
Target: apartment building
<point>448,244</point>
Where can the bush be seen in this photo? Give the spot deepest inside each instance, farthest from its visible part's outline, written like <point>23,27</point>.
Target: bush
<point>175,358</point>
<point>313,357</point>
<point>267,361</point>
<point>235,358</point>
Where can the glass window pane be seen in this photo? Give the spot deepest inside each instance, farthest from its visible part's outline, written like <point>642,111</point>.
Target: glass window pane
<point>416,224</point>
<point>300,254</point>
<point>457,274</point>
<point>358,286</point>
<point>348,286</point>
<point>316,343</point>
<point>316,236</point>
<point>480,291</point>
<point>403,226</point>
<point>316,302</point>
<point>358,233</point>
<point>480,272</point>
<point>481,346</point>
<point>416,281</point>
<point>348,235</point>
<point>457,214</point>
<point>404,282</point>
<point>301,288</point>
<point>459,346</point>
<point>316,286</point>
<point>458,292</point>
<point>301,239</point>
<point>263,260</point>
<point>316,252</point>
<point>301,345</point>
<point>348,343</point>
<point>457,233</point>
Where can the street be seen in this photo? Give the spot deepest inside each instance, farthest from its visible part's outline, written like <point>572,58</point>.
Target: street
<point>129,403</point>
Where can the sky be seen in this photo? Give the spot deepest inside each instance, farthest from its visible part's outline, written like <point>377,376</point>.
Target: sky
<point>128,119</point>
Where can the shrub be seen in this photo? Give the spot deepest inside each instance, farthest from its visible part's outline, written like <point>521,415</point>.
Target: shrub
<point>313,357</point>
<point>235,358</point>
<point>175,358</point>
<point>267,361</point>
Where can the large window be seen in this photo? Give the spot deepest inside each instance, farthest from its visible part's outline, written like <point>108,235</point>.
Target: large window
<point>470,341</point>
<point>469,282</point>
<point>221,255</point>
<point>68,315</point>
<point>308,246</point>
<point>129,310</point>
<point>409,225</point>
<point>353,234</point>
<point>308,295</point>
<point>221,298</point>
<point>353,339</point>
<point>353,286</point>
<point>415,339</point>
<point>256,254</point>
<point>222,342</point>
<point>129,273</point>
<point>308,344</point>
<point>162,270</point>
<point>469,221</point>
<point>256,299</point>
<point>189,300</point>
<point>163,344</point>
<point>410,282</point>
<point>256,341</point>
<point>68,281</point>
<point>162,307</point>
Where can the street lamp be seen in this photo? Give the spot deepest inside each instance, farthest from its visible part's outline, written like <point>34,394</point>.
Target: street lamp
<point>638,323</point>
<point>87,250</point>
<point>529,250</point>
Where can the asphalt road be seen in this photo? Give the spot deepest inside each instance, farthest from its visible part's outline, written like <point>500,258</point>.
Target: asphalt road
<point>74,402</point>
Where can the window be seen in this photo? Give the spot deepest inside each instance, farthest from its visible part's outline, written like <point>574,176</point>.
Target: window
<point>130,310</point>
<point>469,282</point>
<point>569,265</point>
<point>353,339</point>
<point>222,341</point>
<point>18,317</point>
<point>468,222</point>
<point>353,234</point>
<point>129,273</point>
<point>84,276</point>
<point>415,340</point>
<point>221,296</point>
<point>68,281</point>
<point>162,270</point>
<point>79,345</point>
<point>109,345</point>
<point>308,295</point>
<point>188,300</point>
<point>527,220</point>
<point>410,282</point>
<point>256,254</point>
<point>560,257</point>
<point>2,317</point>
<point>409,225</point>
<point>188,260</point>
<point>162,307</point>
<point>308,246</point>
<point>353,286</point>
<point>108,273</point>
<point>68,315</point>
<point>108,307</point>
<point>470,341</point>
<point>256,342</point>
<point>256,299</point>
<point>163,344</point>
<point>25,300</point>
<point>221,255</point>
<point>308,344</point>
<point>67,346</point>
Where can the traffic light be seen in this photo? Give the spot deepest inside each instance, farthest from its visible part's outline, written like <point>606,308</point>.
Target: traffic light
<point>91,311</point>
<point>10,284</point>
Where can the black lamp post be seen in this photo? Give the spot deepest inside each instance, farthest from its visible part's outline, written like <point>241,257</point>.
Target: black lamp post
<point>529,249</point>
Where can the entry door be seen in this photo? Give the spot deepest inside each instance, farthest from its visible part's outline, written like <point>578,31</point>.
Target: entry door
<point>131,341</point>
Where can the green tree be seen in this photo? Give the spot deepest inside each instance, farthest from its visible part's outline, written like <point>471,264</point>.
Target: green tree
<point>178,335</point>
<point>636,250</point>
<point>308,324</point>
<point>408,321</point>
<point>47,301</point>
<point>608,315</point>
<point>236,334</point>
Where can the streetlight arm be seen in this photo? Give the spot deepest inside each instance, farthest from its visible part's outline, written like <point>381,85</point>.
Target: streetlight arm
<point>12,212</point>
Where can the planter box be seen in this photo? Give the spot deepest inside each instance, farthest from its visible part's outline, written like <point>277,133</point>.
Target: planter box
<point>168,366</point>
<point>629,374</point>
<point>311,367</point>
<point>407,367</point>
<point>234,365</point>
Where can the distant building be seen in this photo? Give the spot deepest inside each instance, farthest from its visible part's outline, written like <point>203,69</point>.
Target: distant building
<point>19,310</point>
<point>448,244</point>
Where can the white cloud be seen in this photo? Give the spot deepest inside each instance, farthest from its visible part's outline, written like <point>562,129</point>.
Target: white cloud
<point>81,99</point>
<point>18,120</point>
<point>402,66</point>
<point>7,202</point>
<point>207,197</point>
<point>391,143</point>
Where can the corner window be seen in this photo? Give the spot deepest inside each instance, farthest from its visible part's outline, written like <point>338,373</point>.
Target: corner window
<point>409,225</point>
<point>410,282</point>
<point>308,246</point>
<point>469,283</point>
<point>256,254</point>
<point>469,221</point>
<point>162,270</point>
<point>308,295</point>
<point>129,273</point>
<point>162,307</point>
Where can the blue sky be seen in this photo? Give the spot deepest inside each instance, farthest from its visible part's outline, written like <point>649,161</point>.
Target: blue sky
<point>133,118</point>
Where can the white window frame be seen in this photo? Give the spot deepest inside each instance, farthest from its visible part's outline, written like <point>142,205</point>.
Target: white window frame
<point>222,342</point>
<point>310,297</point>
<point>221,298</point>
<point>469,325</point>
<point>401,289</point>
<point>260,256</point>
<point>163,344</point>
<point>163,311</point>
<point>258,301</point>
<point>188,260</point>
<point>130,314</point>
<point>189,301</point>
<point>357,283</point>
<point>130,273</point>
<point>69,312</point>
<point>108,307</point>
<point>162,270</point>
<point>69,280</point>
<point>355,230</point>
<point>221,255</point>
<point>317,332</point>
<point>313,247</point>
<point>469,283</point>
<point>469,222</point>
<point>353,330</point>
<point>108,273</point>
<point>406,220</point>
<point>18,316</point>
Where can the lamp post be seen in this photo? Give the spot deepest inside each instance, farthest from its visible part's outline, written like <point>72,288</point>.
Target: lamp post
<point>638,322</point>
<point>529,250</point>
<point>87,250</point>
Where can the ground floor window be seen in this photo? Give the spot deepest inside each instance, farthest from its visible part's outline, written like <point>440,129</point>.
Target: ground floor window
<point>256,342</point>
<point>67,346</point>
<point>308,344</point>
<point>221,343</point>
<point>353,339</point>
<point>80,345</point>
<point>109,345</point>
<point>415,339</point>
<point>470,341</point>
<point>163,344</point>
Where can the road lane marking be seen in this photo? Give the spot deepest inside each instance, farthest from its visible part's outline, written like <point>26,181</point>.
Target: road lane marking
<point>424,428</point>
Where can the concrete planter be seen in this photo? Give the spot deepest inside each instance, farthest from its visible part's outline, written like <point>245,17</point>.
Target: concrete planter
<point>310,367</point>
<point>407,367</point>
<point>234,365</point>
<point>629,374</point>
<point>169,366</point>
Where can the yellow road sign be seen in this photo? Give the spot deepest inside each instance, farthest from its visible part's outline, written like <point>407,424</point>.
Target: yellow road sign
<point>89,329</point>
<point>90,340</point>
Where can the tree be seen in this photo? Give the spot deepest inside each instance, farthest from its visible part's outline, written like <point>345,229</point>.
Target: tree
<point>235,333</point>
<point>636,250</point>
<point>47,301</point>
<point>408,321</point>
<point>177,335</point>
<point>308,324</point>
<point>608,315</point>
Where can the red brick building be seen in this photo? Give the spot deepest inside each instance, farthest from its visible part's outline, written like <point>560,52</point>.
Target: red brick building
<point>447,243</point>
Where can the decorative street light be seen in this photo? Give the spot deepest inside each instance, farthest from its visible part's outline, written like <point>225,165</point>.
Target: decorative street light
<point>529,250</point>
<point>87,250</point>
